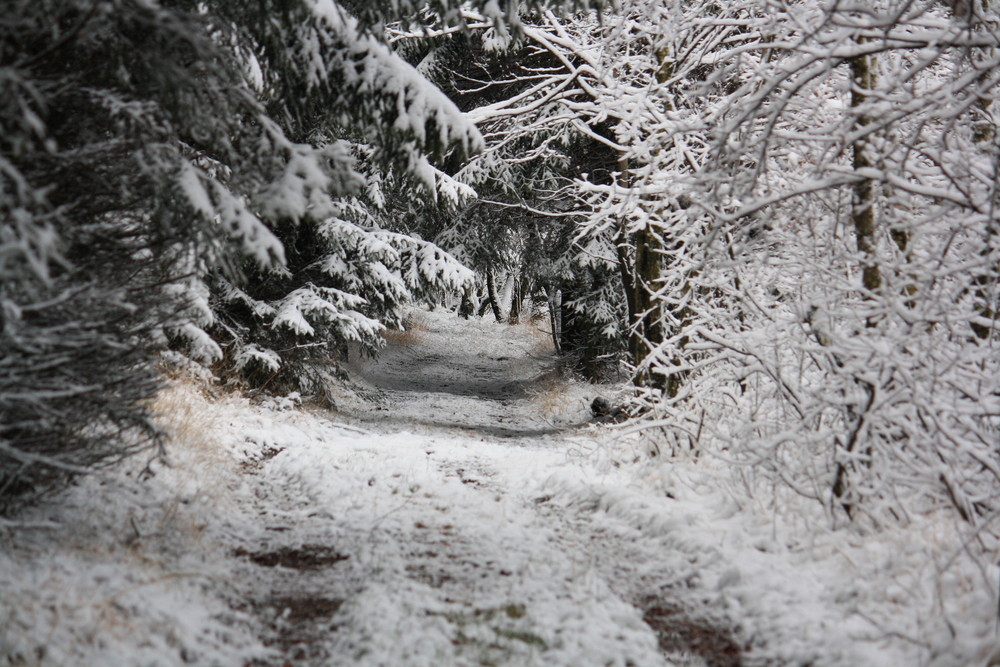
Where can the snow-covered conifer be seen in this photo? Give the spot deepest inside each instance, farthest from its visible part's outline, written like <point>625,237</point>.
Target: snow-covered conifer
<point>164,165</point>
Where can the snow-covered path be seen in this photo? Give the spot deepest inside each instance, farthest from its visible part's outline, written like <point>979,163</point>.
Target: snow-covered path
<point>426,538</point>
<point>456,509</point>
<point>468,376</point>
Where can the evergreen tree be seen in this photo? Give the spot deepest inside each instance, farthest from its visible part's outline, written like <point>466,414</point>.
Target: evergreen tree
<point>199,175</point>
<point>526,219</point>
<point>101,238</point>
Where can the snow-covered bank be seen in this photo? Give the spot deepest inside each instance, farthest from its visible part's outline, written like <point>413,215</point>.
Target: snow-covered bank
<point>423,538</point>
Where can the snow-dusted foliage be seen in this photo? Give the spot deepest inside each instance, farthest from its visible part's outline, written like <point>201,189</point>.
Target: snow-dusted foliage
<point>344,283</point>
<point>107,215</point>
<point>356,116</point>
<point>156,157</point>
<point>794,205</point>
<point>837,299</point>
<point>801,206</point>
<point>827,287</point>
<point>814,188</point>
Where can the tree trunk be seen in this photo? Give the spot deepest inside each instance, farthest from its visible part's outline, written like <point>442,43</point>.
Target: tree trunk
<point>863,79</point>
<point>466,308</point>
<point>491,293</point>
<point>638,275</point>
<point>648,271</point>
<point>522,289</point>
<point>484,305</point>
<point>863,204</point>
<point>555,317</point>
<point>627,272</point>
<point>648,308</point>
<point>514,315</point>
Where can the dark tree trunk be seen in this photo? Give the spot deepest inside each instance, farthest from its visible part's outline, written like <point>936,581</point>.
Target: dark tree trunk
<point>649,319</point>
<point>863,206</point>
<point>466,308</point>
<point>555,317</point>
<point>985,284</point>
<point>626,270</point>
<point>522,288</point>
<point>491,294</point>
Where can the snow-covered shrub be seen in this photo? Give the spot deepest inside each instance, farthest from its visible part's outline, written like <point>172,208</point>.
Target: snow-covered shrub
<point>840,338</point>
<point>101,219</point>
<point>288,329</point>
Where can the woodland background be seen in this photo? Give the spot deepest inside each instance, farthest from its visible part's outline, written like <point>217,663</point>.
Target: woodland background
<point>780,217</point>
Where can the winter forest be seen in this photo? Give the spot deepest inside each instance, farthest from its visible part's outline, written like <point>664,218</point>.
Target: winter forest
<point>765,234</point>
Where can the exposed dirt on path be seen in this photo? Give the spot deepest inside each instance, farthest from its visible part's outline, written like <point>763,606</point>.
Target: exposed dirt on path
<point>426,541</point>
<point>473,375</point>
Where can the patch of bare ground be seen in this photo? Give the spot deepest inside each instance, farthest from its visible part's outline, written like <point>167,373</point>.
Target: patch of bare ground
<point>254,465</point>
<point>297,621</point>
<point>678,631</point>
<point>308,557</point>
<point>297,624</point>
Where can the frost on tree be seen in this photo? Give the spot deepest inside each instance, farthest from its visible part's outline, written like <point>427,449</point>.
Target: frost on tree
<point>156,158</point>
<point>794,218</point>
<point>109,216</point>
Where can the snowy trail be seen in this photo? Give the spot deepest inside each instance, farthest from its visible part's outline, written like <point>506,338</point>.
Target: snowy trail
<point>456,510</point>
<point>428,540</point>
<point>472,375</point>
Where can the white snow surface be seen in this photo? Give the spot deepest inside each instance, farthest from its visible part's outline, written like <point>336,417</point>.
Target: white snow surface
<point>456,510</point>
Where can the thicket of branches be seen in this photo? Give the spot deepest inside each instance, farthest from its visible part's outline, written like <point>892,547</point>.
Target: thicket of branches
<point>837,327</point>
<point>783,216</point>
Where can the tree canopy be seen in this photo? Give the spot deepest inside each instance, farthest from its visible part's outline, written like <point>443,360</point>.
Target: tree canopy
<point>204,178</point>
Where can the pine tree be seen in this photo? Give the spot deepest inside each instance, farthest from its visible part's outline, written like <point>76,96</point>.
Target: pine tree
<point>101,236</point>
<point>198,175</point>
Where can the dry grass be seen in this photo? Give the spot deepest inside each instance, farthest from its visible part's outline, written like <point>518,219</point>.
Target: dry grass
<point>553,402</point>
<point>183,411</point>
<point>180,409</point>
<point>549,392</point>
<point>413,326</point>
<point>195,453</point>
<point>537,331</point>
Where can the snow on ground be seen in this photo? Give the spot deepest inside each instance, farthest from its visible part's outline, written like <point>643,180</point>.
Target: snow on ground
<point>449,374</point>
<point>458,510</point>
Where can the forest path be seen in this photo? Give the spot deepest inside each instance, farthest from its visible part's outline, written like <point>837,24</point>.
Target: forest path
<point>433,534</point>
<point>471,375</point>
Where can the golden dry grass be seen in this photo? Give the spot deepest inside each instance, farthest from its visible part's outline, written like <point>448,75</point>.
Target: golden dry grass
<point>549,392</point>
<point>195,451</point>
<point>410,334</point>
<point>181,409</point>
